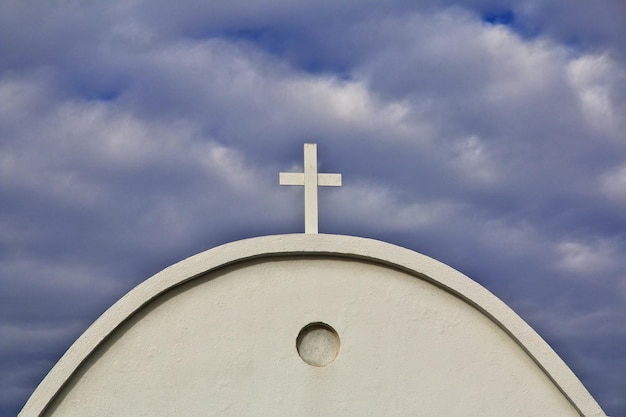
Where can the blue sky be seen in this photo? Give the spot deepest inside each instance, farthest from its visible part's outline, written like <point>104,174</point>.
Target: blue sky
<point>490,135</point>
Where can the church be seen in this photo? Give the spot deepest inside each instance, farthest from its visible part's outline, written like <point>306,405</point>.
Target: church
<point>313,325</point>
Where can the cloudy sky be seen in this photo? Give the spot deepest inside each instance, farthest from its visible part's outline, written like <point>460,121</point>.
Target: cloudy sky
<point>490,135</point>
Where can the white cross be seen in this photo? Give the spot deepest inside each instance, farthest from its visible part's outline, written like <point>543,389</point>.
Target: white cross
<point>311,180</point>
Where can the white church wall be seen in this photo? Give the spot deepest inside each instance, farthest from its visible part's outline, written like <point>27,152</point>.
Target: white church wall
<point>216,335</point>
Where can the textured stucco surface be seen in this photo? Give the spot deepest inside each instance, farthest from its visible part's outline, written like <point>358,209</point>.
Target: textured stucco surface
<point>224,343</point>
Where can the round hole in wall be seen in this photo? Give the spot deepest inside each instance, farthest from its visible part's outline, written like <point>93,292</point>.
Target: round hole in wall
<point>318,344</point>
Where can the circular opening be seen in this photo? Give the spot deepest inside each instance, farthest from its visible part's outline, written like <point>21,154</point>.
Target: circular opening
<point>318,344</point>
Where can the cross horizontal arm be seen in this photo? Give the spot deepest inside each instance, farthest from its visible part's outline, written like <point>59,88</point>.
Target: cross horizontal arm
<point>297,178</point>
<point>291,178</point>
<point>329,180</point>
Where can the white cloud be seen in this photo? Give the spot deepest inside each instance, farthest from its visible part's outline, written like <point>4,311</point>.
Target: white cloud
<point>592,259</point>
<point>593,77</point>
<point>67,147</point>
<point>345,102</point>
<point>562,322</point>
<point>379,207</point>
<point>472,160</point>
<point>229,166</point>
<point>18,338</point>
<point>613,183</point>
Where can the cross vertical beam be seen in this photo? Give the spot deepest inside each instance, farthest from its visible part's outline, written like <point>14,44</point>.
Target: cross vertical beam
<point>310,188</point>
<point>310,179</point>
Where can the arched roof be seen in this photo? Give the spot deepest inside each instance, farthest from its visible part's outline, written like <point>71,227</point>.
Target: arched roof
<point>317,245</point>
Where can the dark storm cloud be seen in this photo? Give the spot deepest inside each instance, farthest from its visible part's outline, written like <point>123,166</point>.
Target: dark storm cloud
<point>485,134</point>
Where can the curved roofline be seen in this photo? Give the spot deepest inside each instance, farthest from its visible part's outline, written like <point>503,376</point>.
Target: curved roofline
<point>407,260</point>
